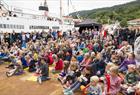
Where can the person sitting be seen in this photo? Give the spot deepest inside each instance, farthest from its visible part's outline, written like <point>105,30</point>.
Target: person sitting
<point>31,63</point>
<point>98,65</point>
<point>44,71</point>
<point>83,79</point>
<point>23,60</point>
<point>138,89</point>
<point>70,77</point>
<point>58,63</point>
<point>66,69</point>
<point>112,82</point>
<point>93,87</point>
<point>131,79</point>
<point>126,62</point>
<point>15,68</point>
<point>85,61</point>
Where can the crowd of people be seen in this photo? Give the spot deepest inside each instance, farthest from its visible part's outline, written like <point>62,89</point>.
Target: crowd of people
<point>94,62</point>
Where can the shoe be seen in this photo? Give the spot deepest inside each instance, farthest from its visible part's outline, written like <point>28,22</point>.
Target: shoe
<point>59,80</point>
<point>66,89</point>
<point>7,67</point>
<point>48,78</point>
<point>68,92</point>
<point>39,80</point>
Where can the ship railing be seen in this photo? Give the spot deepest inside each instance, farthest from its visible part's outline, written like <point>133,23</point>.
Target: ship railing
<point>33,16</point>
<point>4,4</point>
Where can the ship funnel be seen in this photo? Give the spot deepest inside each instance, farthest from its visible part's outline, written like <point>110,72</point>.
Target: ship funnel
<point>44,7</point>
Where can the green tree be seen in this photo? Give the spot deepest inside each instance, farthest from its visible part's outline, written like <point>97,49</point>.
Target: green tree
<point>123,23</point>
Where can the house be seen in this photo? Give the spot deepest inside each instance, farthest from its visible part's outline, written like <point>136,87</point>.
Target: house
<point>135,22</point>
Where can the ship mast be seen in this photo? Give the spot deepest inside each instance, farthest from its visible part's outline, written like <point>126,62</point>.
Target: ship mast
<point>45,3</point>
<point>44,8</point>
<point>68,6</point>
<point>61,10</point>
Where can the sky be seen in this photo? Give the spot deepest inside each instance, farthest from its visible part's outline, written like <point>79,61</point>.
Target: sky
<point>31,6</point>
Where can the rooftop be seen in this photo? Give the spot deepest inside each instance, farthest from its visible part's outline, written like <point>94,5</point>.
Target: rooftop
<point>135,20</point>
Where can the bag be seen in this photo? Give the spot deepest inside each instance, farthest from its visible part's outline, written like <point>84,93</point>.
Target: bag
<point>68,92</point>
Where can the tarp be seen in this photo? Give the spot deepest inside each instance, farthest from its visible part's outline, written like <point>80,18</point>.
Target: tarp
<point>89,23</point>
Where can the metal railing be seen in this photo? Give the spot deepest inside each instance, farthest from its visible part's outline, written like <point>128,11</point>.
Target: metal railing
<point>4,4</point>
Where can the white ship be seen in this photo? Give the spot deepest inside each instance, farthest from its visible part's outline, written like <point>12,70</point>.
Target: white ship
<point>18,21</point>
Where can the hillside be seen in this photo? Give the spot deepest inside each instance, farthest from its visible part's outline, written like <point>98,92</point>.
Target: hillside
<point>122,13</point>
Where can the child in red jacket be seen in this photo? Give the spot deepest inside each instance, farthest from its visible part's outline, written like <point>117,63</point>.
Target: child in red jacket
<point>58,63</point>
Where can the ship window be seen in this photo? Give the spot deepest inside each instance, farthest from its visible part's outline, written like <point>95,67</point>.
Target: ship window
<point>29,27</point>
<point>12,26</point>
<point>46,27</point>
<point>0,25</point>
<point>38,27</point>
<point>22,26</point>
<point>7,26</point>
<point>4,25</point>
<point>17,26</point>
<point>55,27</point>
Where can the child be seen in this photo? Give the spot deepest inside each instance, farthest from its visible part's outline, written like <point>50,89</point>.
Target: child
<point>93,88</point>
<point>31,63</point>
<point>126,62</point>
<point>70,77</point>
<point>113,81</point>
<point>131,79</point>
<point>16,69</point>
<point>58,63</point>
<point>108,66</point>
<point>84,79</point>
<point>65,70</point>
<point>44,71</point>
<point>98,66</point>
<point>85,61</point>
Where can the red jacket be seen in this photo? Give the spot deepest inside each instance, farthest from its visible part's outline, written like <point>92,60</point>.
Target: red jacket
<point>50,59</point>
<point>59,65</point>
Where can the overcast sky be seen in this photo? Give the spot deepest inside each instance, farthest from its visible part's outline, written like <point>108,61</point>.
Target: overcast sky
<point>54,5</point>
